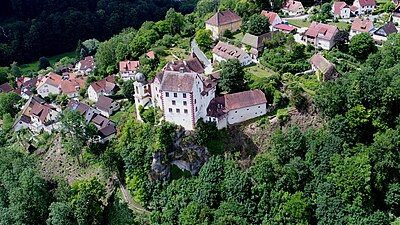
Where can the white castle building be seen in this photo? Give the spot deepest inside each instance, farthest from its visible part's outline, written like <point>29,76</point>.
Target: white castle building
<point>185,96</point>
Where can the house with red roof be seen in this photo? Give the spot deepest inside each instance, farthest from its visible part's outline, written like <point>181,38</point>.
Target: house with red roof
<point>340,10</point>
<point>293,8</point>
<point>222,21</point>
<point>104,86</point>
<point>236,108</point>
<point>49,84</point>
<point>128,69</point>
<point>364,6</point>
<point>285,28</point>
<point>224,51</point>
<point>37,115</point>
<point>273,18</point>
<point>86,65</point>
<point>321,35</point>
<point>5,88</point>
<point>71,87</point>
<point>361,26</point>
<point>323,68</point>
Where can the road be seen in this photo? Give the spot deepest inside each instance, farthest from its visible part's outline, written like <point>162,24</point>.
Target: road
<point>128,199</point>
<point>202,57</point>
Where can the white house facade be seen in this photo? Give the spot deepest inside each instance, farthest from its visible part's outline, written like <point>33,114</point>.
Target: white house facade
<point>236,108</point>
<point>364,6</point>
<point>224,51</point>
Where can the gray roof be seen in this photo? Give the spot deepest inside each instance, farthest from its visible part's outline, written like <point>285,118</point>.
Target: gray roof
<point>257,41</point>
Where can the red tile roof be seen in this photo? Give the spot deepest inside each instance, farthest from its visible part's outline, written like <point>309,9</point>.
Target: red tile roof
<point>338,6</point>
<point>87,63</point>
<point>126,66</point>
<point>223,18</point>
<point>221,105</point>
<point>293,6</point>
<point>106,85</point>
<point>271,15</point>
<point>5,88</point>
<point>284,27</point>
<point>362,25</point>
<point>367,2</point>
<point>323,31</point>
<point>72,85</point>
<point>151,55</point>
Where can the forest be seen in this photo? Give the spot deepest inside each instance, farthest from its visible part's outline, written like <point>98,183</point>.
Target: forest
<point>31,29</point>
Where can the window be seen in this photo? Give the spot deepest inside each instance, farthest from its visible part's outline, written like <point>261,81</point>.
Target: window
<point>235,111</point>
<point>195,101</point>
<point>166,94</point>
<point>259,106</point>
<point>196,108</point>
<point>185,111</point>
<point>184,102</point>
<point>170,109</point>
<point>248,109</point>
<point>173,102</point>
<point>178,110</point>
<point>184,95</point>
<point>175,95</point>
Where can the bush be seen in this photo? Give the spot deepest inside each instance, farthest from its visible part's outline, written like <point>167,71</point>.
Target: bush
<point>282,115</point>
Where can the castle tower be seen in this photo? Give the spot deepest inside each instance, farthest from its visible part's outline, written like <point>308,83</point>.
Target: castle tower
<point>142,93</point>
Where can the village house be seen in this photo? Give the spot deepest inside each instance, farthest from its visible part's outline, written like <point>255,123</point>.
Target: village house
<point>364,6</point>
<point>236,108</point>
<point>340,10</point>
<point>224,51</point>
<point>273,18</point>
<point>106,106</point>
<point>49,84</point>
<point>293,8</point>
<point>38,116</point>
<point>256,43</point>
<point>25,86</point>
<point>5,88</point>
<point>323,67</point>
<point>321,35</point>
<point>104,86</point>
<point>222,21</point>
<point>105,127</point>
<point>285,28</point>
<point>86,65</point>
<point>71,86</point>
<point>396,15</point>
<point>361,26</point>
<point>381,34</point>
<point>151,55</point>
<point>128,69</point>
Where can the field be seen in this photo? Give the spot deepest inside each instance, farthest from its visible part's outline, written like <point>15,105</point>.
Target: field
<point>257,71</point>
<point>299,23</point>
<point>33,66</point>
<point>341,25</point>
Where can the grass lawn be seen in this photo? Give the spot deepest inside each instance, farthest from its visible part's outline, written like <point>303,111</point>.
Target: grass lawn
<point>341,25</point>
<point>33,66</point>
<point>257,71</point>
<point>299,23</point>
<point>179,52</point>
<point>239,36</point>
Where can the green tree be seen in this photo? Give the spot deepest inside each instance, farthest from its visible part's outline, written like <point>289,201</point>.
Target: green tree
<point>87,201</point>
<point>361,45</point>
<point>90,47</point>
<point>232,76</point>
<point>61,213</point>
<point>195,214</point>
<point>258,24</point>
<point>203,39</point>
<point>389,7</point>
<point>43,63</point>
<point>8,103</point>
<point>128,89</point>
<point>175,20</point>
